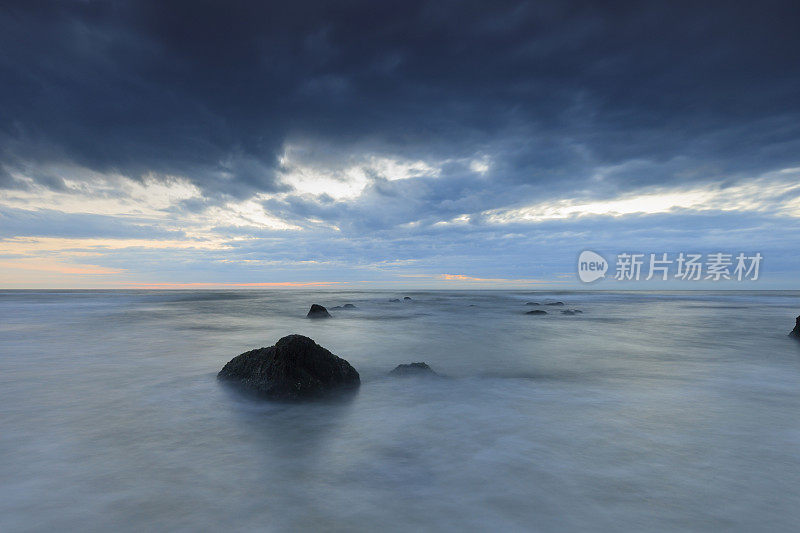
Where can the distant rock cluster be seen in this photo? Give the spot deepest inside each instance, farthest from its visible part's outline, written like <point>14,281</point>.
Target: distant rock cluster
<point>568,312</point>
<point>319,311</point>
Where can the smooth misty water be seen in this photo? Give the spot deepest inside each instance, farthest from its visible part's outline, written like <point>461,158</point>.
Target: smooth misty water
<point>648,412</point>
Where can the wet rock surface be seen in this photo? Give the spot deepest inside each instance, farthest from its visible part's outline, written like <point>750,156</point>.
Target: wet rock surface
<point>318,311</point>
<point>796,331</point>
<point>413,369</point>
<point>295,368</point>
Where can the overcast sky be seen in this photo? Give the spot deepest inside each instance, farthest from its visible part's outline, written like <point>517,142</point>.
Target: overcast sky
<point>382,144</point>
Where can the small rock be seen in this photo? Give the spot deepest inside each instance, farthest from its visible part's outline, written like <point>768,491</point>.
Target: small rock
<point>318,311</point>
<point>345,306</point>
<point>567,312</point>
<point>295,368</point>
<point>532,303</point>
<point>555,303</point>
<point>536,312</point>
<point>406,297</point>
<point>413,369</point>
<point>796,331</point>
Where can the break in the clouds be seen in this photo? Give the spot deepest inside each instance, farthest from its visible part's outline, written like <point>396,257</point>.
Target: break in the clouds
<point>444,143</point>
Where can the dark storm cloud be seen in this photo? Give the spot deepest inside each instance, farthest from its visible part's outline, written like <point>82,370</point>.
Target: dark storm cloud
<point>213,90</point>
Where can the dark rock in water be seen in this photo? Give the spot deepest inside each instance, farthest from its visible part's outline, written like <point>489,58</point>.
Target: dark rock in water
<point>394,300</point>
<point>536,312</point>
<point>532,303</point>
<point>796,331</point>
<point>406,297</point>
<point>295,368</point>
<point>317,311</point>
<point>555,303</point>
<point>569,312</point>
<point>413,369</point>
<point>345,306</point>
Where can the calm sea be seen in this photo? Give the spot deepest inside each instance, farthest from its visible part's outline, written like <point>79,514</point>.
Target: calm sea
<point>647,412</point>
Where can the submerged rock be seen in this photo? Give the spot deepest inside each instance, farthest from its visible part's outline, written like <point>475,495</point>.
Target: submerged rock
<point>393,300</point>
<point>406,297</point>
<point>295,368</point>
<point>346,306</point>
<point>532,303</point>
<point>318,311</point>
<point>796,331</point>
<point>567,312</point>
<point>413,369</point>
<point>536,312</point>
<point>554,303</point>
